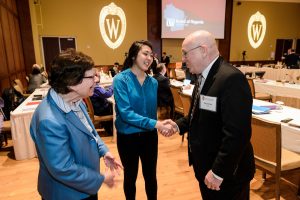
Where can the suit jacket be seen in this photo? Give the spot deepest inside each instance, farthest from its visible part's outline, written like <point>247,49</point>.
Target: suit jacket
<point>221,140</point>
<point>292,60</point>
<point>164,94</point>
<point>67,152</point>
<point>35,81</point>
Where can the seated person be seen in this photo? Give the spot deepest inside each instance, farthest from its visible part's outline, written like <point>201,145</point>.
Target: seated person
<point>292,59</point>
<point>153,65</point>
<point>188,74</point>
<point>164,94</point>
<point>35,78</point>
<point>102,106</point>
<point>115,69</point>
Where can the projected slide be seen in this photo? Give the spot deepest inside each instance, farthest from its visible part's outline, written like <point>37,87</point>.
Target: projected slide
<point>182,17</point>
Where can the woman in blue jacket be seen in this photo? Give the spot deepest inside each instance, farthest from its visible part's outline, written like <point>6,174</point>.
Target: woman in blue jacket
<point>67,143</point>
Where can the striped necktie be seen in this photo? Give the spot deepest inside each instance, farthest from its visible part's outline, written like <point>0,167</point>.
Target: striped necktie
<point>196,97</point>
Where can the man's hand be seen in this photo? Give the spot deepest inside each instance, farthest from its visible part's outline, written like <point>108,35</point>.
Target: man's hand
<point>164,128</point>
<point>173,125</point>
<point>212,182</point>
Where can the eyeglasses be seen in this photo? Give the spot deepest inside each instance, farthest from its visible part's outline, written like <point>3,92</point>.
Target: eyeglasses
<point>93,76</point>
<point>184,53</point>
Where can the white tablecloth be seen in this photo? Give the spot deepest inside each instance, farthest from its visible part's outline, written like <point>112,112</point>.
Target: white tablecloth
<point>275,74</point>
<point>105,81</point>
<point>20,118</point>
<point>290,134</point>
<point>277,88</point>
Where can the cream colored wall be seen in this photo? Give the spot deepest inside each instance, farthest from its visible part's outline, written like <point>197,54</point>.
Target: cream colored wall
<point>172,47</point>
<point>79,18</point>
<point>34,22</point>
<point>282,23</point>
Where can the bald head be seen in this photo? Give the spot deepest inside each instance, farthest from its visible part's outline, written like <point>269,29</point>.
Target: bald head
<point>204,38</point>
<point>200,49</point>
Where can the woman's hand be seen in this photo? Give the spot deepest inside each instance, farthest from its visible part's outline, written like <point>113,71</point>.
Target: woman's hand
<point>113,164</point>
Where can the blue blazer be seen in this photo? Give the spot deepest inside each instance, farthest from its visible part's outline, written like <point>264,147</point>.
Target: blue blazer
<point>67,151</point>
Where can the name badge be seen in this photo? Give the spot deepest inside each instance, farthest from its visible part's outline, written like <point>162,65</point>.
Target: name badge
<point>208,103</point>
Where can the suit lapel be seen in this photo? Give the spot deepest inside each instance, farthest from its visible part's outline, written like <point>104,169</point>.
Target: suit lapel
<point>211,75</point>
<point>73,119</point>
<point>83,108</point>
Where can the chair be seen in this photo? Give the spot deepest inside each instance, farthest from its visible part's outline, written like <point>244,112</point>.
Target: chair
<point>186,104</point>
<point>96,119</point>
<point>178,107</point>
<point>269,155</point>
<point>179,74</point>
<point>257,95</point>
<point>20,88</point>
<point>6,128</point>
<point>171,73</point>
<point>6,125</point>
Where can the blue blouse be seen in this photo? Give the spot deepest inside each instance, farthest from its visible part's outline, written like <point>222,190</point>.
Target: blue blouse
<point>136,104</point>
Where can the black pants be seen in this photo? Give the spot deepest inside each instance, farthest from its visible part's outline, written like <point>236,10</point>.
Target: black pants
<point>92,197</point>
<point>131,147</point>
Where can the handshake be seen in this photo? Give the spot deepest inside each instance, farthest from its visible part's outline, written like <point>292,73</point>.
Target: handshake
<point>167,127</point>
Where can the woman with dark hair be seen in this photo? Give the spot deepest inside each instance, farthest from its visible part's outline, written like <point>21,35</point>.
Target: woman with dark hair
<point>136,119</point>
<point>67,143</point>
<point>35,79</point>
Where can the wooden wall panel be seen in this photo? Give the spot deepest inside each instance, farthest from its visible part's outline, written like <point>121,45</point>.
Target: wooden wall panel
<point>14,44</point>
<point>18,50</point>
<point>15,31</point>
<point>26,34</point>
<point>3,60</point>
<point>154,25</point>
<point>224,44</point>
<point>7,40</point>
<point>14,6</point>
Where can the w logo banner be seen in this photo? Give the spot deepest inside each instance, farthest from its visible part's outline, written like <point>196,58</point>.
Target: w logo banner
<point>112,24</point>
<point>257,26</point>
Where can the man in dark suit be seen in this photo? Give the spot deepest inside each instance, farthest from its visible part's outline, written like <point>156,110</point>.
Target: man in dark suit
<point>292,59</point>
<point>165,59</point>
<point>164,94</point>
<point>219,122</point>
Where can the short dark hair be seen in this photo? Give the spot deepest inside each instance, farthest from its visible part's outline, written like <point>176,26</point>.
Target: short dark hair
<point>35,70</point>
<point>133,52</point>
<point>68,69</point>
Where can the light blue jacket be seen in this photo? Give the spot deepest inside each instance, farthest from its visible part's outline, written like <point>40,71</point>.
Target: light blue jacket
<point>67,151</point>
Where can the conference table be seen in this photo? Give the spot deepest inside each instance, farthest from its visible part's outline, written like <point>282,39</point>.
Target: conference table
<point>274,74</point>
<point>286,92</point>
<point>20,118</point>
<point>290,133</point>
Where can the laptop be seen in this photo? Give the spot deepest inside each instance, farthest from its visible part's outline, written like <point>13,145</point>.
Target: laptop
<point>186,82</point>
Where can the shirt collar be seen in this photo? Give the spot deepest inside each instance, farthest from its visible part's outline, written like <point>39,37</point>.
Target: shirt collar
<point>207,69</point>
<point>62,104</point>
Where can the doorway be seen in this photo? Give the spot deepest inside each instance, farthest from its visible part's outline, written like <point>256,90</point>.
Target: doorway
<point>52,46</point>
<point>282,45</point>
